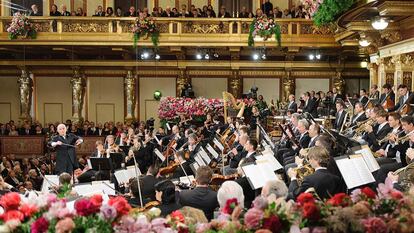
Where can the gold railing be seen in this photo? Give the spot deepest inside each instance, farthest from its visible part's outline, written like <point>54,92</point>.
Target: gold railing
<point>174,32</point>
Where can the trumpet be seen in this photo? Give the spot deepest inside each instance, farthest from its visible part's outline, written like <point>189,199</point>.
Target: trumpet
<point>404,138</point>
<point>386,138</point>
<point>362,126</point>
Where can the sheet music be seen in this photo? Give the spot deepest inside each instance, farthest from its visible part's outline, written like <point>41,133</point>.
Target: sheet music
<point>53,180</point>
<point>270,160</point>
<point>86,190</point>
<point>184,179</point>
<point>218,144</point>
<point>212,151</point>
<point>199,160</point>
<point>205,156</point>
<point>354,171</point>
<point>105,186</point>
<point>159,154</point>
<point>369,158</point>
<point>121,176</point>
<point>258,174</point>
<point>131,171</point>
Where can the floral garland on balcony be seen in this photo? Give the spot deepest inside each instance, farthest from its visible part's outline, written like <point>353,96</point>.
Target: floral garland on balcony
<point>265,28</point>
<point>324,12</point>
<point>146,27</point>
<point>21,26</point>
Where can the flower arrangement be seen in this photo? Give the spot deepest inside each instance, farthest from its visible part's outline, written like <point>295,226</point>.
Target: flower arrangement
<point>21,26</point>
<point>171,107</point>
<point>324,12</point>
<point>145,27</point>
<point>265,28</point>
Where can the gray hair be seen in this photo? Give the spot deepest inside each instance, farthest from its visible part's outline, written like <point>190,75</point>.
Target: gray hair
<point>229,190</point>
<point>276,187</point>
<point>304,122</point>
<point>60,126</point>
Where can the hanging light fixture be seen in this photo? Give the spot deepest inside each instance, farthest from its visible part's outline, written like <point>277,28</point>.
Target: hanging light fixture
<point>379,23</point>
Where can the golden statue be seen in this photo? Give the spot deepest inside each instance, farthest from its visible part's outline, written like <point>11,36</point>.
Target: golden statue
<point>288,86</point>
<point>235,84</point>
<point>129,91</point>
<point>182,81</point>
<point>339,83</point>
<point>78,92</point>
<point>25,93</point>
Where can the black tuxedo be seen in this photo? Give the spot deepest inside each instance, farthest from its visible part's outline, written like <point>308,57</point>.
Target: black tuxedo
<point>148,191</point>
<point>102,14</point>
<point>401,103</point>
<point>248,159</point>
<point>235,160</point>
<point>364,100</point>
<point>384,95</point>
<point>324,183</point>
<point>66,160</point>
<point>339,119</point>
<point>375,135</point>
<point>311,107</point>
<point>244,15</point>
<point>202,198</point>
<point>356,118</point>
<point>293,106</point>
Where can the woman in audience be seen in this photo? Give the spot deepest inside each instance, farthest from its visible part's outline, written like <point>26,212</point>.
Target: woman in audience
<point>54,11</point>
<point>165,194</point>
<point>13,131</point>
<point>79,12</point>
<point>213,13</point>
<point>109,12</point>
<point>118,12</point>
<point>230,190</point>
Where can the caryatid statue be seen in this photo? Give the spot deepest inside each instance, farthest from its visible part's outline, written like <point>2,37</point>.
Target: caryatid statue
<point>25,94</point>
<point>78,93</point>
<point>129,92</point>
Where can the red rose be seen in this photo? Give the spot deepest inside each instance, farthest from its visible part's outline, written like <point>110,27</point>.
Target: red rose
<point>177,216</point>
<point>10,201</point>
<point>230,205</point>
<point>96,200</point>
<point>13,214</point>
<point>120,204</point>
<point>369,193</point>
<point>272,223</point>
<point>85,207</point>
<point>39,226</point>
<point>396,194</point>
<point>305,198</point>
<point>28,210</point>
<point>339,199</point>
<point>311,211</point>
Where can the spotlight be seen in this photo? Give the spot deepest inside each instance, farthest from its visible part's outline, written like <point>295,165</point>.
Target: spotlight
<point>207,57</point>
<point>198,56</point>
<point>318,56</point>
<point>364,64</point>
<point>264,57</point>
<point>364,42</point>
<point>157,57</point>
<point>379,23</point>
<point>256,56</point>
<point>145,55</point>
<point>216,55</point>
<point>311,57</point>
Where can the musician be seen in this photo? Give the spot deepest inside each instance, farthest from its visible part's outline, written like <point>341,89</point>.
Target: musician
<point>340,116</point>
<point>363,96</point>
<point>324,183</point>
<point>359,114</point>
<point>175,135</point>
<point>379,131</point>
<point>309,105</point>
<point>292,104</point>
<point>250,147</point>
<point>261,103</point>
<point>110,145</point>
<point>387,91</point>
<point>389,151</point>
<point>65,150</point>
<point>122,140</point>
<point>165,194</point>
<point>406,97</point>
<point>374,93</point>
<point>237,154</point>
<point>138,151</point>
<point>135,200</point>
<point>193,147</point>
<point>336,96</point>
<point>303,127</point>
<point>149,181</point>
<point>403,178</point>
<point>202,196</point>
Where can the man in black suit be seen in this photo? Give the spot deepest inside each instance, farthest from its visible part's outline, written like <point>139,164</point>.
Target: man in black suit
<point>386,91</point>
<point>324,183</point>
<point>266,7</point>
<point>250,147</point>
<point>65,150</point>
<point>243,13</point>
<point>310,105</point>
<point>406,98</point>
<point>363,96</point>
<point>341,115</point>
<point>26,130</point>
<point>64,11</point>
<point>202,197</point>
<point>236,155</point>
<point>35,11</point>
<point>99,12</point>
<point>292,104</point>
<point>148,183</point>
<point>359,114</point>
<point>377,132</point>
<point>336,95</point>
<point>304,139</point>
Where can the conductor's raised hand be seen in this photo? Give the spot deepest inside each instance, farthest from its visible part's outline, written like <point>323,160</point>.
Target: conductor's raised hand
<point>59,143</point>
<point>78,142</point>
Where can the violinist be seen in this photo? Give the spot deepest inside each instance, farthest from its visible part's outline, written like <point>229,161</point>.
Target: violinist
<point>176,136</point>
<point>387,92</point>
<point>236,155</point>
<point>184,122</point>
<point>110,145</point>
<point>137,150</point>
<point>122,140</point>
<point>135,201</point>
<point>88,174</point>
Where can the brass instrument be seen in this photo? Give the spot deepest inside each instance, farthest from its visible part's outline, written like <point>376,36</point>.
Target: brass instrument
<point>386,138</point>
<point>306,169</point>
<point>362,127</point>
<point>404,138</point>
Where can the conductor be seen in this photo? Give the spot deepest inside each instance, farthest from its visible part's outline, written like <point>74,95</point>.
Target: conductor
<point>66,160</point>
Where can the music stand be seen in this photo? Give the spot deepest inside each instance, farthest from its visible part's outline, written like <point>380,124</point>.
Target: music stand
<point>117,159</point>
<point>101,164</point>
<point>343,141</point>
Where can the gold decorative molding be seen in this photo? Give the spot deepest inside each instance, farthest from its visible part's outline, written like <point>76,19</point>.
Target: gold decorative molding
<point>85,27</point>
<point>261,72</point>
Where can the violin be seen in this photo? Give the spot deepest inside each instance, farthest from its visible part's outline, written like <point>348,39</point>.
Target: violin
<point>220,179</point>
<point>149,205</point>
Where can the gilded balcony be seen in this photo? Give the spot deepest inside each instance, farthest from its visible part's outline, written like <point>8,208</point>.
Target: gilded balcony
<point>99,31</point>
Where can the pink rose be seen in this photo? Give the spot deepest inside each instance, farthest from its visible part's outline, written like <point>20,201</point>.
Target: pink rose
<point>65,225</point>
<point>253,217</point>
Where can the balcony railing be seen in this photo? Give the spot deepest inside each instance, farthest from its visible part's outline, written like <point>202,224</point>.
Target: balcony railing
<point>174,32</point>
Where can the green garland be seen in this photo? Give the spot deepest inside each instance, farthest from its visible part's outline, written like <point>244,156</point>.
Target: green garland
<point>154,38</point>
<point>329,10</point>
<point>264,33</point>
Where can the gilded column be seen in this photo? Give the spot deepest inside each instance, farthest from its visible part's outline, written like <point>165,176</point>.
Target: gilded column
<point>130,85</point>
<point>235,84</point>
<point>398,73</point>
<point>339,82</point>
<point>289,86</point>
<point>25,94</point>
<point>182,81</point>
<point>373,74</point>
<point>381,72</point>
<point>78,93</point>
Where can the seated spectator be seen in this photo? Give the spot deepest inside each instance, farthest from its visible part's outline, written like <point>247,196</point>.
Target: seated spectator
<point>243,13</point>
<point>195,13</point>
<point>3,130</point>
<point>79,12</point>
<point>64,11</point>
<point>73,13</point>
<point>209,14</point>
<point>213,13</point>
<point>184,12</point>
<point>99,12</point>
<point>175,12</point>
<point>223,13</point>
<point>118,12</point>
<point>131,12</point>
<point>204,11</point>
<point>34,11</point>
<point>277,13</point>
<point>13,131</point>
<point>109,12</point>
<point>35,179</point>
<point>259,13</point>
<point>38,130</point>
<point>155,12</point>
<point>277,188</point>
<point>54,11</point>
<point>229,190</point>
<point>168,12</point>
<point>286,14</point>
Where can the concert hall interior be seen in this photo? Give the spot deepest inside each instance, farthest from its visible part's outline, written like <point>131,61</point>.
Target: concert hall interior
<point>206,116</point>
